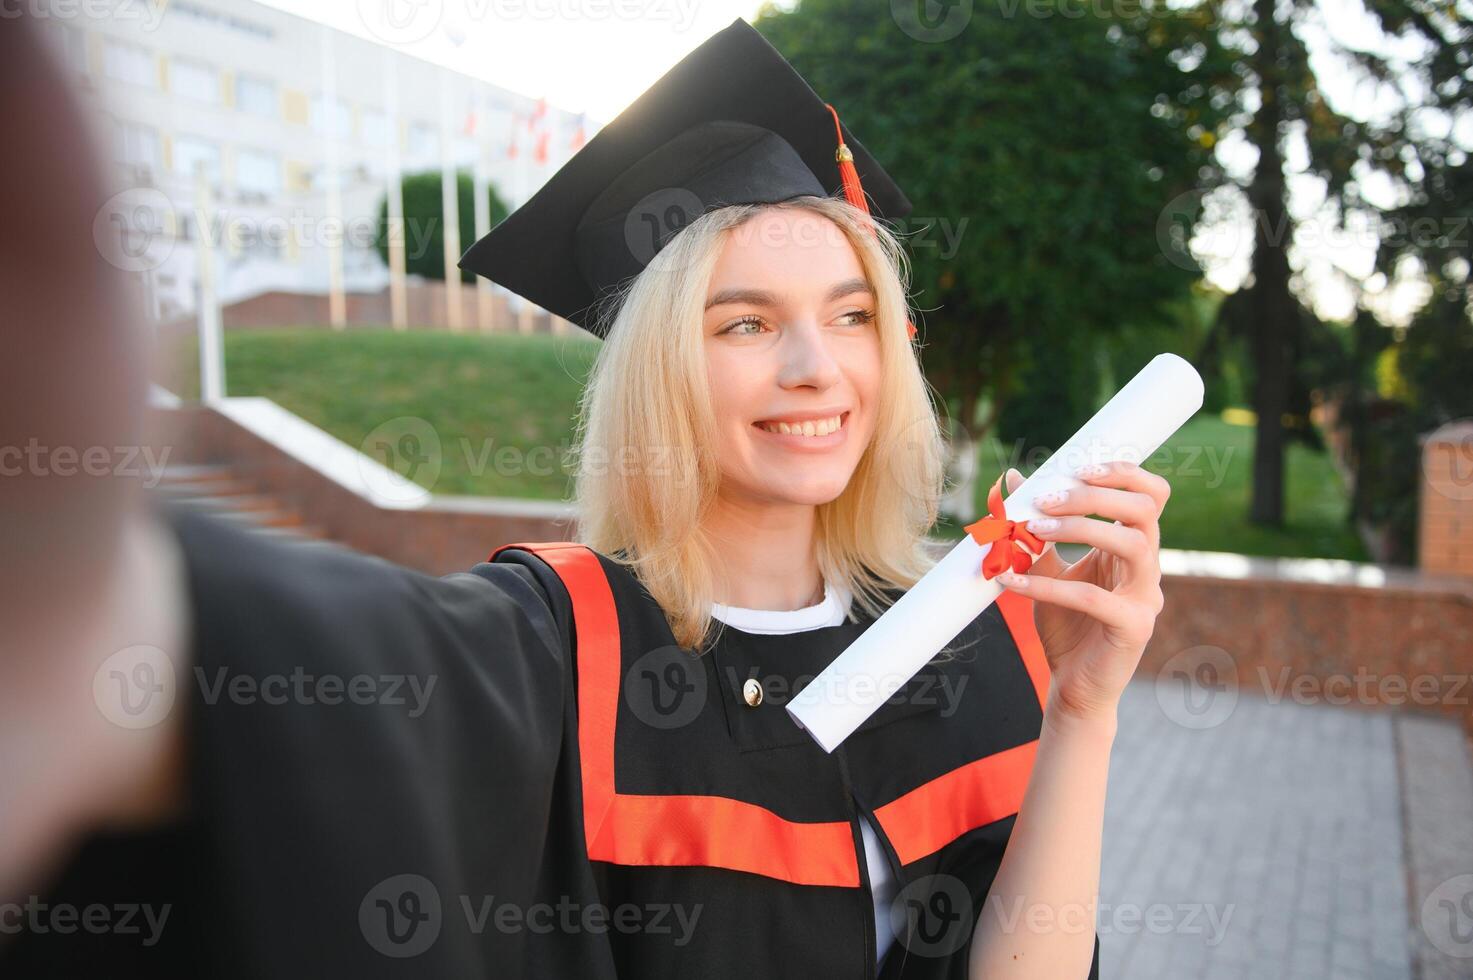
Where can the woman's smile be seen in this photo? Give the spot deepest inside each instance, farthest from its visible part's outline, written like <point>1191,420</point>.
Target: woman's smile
<point>807,432</point>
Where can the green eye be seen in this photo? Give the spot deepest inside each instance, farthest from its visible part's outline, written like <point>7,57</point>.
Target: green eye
<point>744,321</point>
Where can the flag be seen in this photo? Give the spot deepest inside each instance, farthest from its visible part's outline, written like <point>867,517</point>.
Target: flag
<point>579,136</point>
<point>511,146</point>
<point>534,119</point>
<point>541,154</point>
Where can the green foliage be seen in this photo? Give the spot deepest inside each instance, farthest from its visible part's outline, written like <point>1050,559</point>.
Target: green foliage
<point>424,222</point>
<point>1209,463</point>
<point>1039,172</point>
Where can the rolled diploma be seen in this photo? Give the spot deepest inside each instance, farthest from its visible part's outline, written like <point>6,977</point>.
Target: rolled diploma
<point>1131,426</point>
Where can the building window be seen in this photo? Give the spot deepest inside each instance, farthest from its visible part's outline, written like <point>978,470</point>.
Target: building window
<point>137,146</point>
<point>258,172</point>
<point>195,81</point>
<point>190,151</point>
<point>331,120</point>
<point>255,95</point>
<point>376,127</point>
<point>424,144</point>
<point>129,63</point>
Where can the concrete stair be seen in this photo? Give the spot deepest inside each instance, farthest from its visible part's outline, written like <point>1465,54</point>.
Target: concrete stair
<point>221,489</point>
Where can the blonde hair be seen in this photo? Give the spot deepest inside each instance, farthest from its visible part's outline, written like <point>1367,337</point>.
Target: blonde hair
<point>646,427</point>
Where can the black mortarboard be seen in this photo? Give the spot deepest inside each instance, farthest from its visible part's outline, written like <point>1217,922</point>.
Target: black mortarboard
<point>732,123</point>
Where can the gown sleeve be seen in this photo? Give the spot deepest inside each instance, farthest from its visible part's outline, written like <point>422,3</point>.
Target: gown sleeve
<point>371,745</point>
<point>377,774</point>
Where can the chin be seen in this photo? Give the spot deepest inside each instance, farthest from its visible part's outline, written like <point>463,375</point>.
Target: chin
<point>812,490</point>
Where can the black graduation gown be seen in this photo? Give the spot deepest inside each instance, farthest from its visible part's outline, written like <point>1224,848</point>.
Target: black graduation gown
<point>389,778</point>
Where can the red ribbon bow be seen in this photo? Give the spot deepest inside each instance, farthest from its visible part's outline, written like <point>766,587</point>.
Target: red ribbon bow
<point>995,529</point>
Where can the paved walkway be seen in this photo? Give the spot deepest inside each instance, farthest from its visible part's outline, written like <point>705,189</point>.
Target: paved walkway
<point>1252,840</point>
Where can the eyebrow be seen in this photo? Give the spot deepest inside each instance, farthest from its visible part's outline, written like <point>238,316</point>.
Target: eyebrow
<point>761,297</point>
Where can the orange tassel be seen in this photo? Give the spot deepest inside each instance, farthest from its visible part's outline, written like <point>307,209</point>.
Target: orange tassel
<point>853,191</point>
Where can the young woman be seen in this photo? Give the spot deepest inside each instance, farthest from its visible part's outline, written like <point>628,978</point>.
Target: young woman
<point>595,775</point>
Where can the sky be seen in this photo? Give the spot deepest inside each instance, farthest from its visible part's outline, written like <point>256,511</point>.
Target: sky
<point>591,56</point>
<point>596,56</point>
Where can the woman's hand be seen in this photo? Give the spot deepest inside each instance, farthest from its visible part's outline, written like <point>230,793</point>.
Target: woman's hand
<point>1096,615</point>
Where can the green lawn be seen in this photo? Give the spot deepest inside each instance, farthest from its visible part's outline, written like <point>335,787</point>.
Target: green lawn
<point>503,409</point>
<point>501,406</point>
<point>1209,464</point>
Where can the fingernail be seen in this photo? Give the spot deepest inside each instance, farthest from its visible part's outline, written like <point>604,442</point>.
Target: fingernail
<point>1013,580</point>
<point>1088,470</point>
<point>1051,498</point>
<point>1044,524</point>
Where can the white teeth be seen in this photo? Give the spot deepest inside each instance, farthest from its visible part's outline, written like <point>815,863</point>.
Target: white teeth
<point>822,427</point>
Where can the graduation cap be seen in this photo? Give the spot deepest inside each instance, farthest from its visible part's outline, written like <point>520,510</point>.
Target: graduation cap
<point>732,123</point>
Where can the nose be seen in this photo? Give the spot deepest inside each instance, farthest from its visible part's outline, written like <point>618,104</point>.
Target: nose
<point>806,358</point>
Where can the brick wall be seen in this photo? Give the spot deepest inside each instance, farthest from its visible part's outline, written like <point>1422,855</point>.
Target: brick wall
<point>1305,631</point>
<point>1445,528</point>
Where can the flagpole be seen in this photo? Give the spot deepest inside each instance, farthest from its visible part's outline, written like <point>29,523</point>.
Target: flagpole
<point>450,208</point>
<point>337,302</point>
<point>524,181</point>
<point>394,196</point>
<point>481,183</point>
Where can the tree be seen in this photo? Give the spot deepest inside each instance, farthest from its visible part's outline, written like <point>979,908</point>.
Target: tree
<point>1280,111</point>
<point>424,222</point>
<point>1039,152</point>
<point>1424,369</point>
